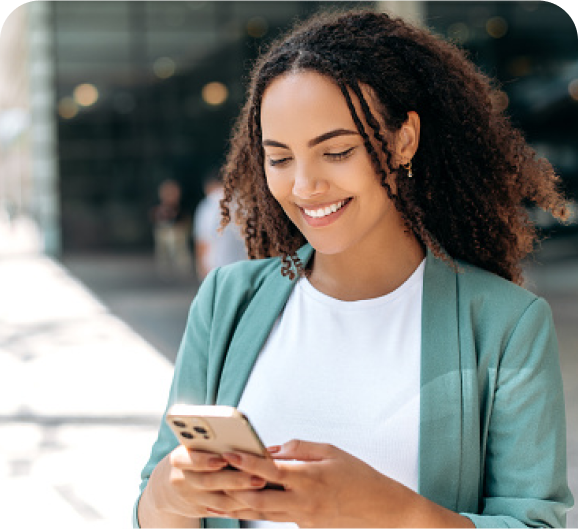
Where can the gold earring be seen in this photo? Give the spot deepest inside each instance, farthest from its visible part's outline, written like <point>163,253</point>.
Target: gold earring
<point>407,167</point>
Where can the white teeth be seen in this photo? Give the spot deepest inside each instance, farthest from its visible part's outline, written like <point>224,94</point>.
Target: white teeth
<point>323,212</point>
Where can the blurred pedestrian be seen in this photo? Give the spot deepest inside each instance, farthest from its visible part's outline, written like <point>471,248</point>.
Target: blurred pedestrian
<point>171,225</point>
<point>214,248</point>
<point>379,340</point>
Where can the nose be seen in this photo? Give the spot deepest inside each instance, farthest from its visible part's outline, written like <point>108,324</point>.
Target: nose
<point>308,182</point>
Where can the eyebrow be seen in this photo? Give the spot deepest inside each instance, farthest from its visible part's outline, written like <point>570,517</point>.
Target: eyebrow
<point>315,141</point>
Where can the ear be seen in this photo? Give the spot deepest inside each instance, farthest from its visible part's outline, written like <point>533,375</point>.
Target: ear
<point>407,140</point>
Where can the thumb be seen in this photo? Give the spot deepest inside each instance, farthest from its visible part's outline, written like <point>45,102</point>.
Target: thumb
<point>304,451</point>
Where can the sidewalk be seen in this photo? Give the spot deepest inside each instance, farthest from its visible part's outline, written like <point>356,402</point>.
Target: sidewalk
<point>81,396</point>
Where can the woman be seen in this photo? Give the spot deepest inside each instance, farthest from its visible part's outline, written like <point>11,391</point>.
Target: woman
<point>378,340</point>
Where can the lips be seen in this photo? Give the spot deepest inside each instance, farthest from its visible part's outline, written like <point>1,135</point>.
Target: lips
<point>324,211</point>
<point>325,214</point>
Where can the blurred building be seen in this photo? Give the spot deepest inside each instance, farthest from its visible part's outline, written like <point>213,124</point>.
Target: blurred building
<point>14,113</point>
<point>531,48</point>
<point>123,95</point>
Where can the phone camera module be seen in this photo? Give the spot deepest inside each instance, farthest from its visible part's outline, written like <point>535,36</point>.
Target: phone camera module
<point>187,435</point>
<point>201,430</point>
<point>179,424</point>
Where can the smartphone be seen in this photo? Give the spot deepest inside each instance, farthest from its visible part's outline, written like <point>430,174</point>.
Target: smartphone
<point>215,429</point>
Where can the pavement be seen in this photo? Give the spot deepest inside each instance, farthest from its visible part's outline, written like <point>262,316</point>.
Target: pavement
<point>81,397</point>
<point>86,353</point>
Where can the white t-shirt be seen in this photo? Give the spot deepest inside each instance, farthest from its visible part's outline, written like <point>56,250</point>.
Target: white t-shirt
<point>344,373</point>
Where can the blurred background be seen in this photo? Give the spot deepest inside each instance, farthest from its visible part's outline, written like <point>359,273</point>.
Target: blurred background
<point>102,102</point>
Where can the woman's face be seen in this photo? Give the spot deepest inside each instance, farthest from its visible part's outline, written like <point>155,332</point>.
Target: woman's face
<point>318,169</point>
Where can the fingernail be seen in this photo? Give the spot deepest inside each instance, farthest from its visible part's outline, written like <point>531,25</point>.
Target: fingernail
<point>216,462</point>
<point>215,511</point>
<point>256,481</point>
<point>232,458</point>
<point>273,449</point>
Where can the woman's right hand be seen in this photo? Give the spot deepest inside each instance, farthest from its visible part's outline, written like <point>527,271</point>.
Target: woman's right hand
<point>194,484</point>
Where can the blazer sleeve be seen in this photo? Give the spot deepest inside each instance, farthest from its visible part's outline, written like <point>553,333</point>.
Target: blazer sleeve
<point>189,383</point>
<point>525,472</point>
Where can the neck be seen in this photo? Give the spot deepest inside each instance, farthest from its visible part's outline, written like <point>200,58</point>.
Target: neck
<point>352,276</point>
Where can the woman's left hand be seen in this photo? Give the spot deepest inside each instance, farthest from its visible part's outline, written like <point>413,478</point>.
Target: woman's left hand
<point>324,487</point>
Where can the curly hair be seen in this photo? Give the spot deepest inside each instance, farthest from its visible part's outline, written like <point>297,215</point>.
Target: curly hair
<point>474,172</point>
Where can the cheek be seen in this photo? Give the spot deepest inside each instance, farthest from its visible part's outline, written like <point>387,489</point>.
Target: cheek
<point>281,190</point>
<point>278,187</point>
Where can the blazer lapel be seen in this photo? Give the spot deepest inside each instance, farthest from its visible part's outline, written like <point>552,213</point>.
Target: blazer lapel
<point>252,331</point>
<point>440,438</point>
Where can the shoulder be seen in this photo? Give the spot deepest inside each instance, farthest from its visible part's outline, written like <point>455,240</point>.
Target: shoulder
<point>241,280</point>
<point>255,273</point>
<point>473,287</point>
<point>237,284</point>
<point>480,285</point>
<point>249,271</point>
<point>497,308</point>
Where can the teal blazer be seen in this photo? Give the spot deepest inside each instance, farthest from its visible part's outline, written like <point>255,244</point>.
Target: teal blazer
<point>492,442</point>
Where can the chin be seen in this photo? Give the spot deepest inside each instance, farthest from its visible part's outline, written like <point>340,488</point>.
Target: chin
<point>326,247</point>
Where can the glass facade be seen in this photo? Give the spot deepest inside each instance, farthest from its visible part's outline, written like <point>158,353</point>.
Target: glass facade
<point>165,81</point>
<point>147,91</point>
<point>531,48</point>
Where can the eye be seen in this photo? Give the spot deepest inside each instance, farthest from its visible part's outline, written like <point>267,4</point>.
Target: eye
<point>273,162</point>
<point>336,156</point>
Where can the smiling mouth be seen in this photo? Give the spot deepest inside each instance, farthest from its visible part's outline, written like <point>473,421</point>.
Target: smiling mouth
<point>319,213</point>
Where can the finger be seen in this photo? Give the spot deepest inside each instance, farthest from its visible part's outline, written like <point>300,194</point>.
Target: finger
<point>250,514</point>
<point>304,451</point>
<point>254,465</point>
<point>265,501</point>
<point>218,503</point>
<point>225,480</point>
<point>196,460</point>
<point>215,513</point>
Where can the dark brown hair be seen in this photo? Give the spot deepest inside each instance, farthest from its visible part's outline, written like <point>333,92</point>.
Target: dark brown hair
<point>473,171</point>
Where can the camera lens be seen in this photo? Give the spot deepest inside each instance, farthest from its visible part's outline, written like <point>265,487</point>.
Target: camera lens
<point>200,429</point>
<point>187,435</point>
<point>179,424</point>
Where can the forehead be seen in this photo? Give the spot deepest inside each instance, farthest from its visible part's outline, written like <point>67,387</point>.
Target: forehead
<point>306,104</point>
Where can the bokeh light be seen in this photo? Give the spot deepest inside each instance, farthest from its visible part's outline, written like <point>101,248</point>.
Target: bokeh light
<point>85,94</point>
<point>257,27</point>
<point>67,107</point>
<point>215,93</point>
<point>164,67</point>
<point>496,27</point>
